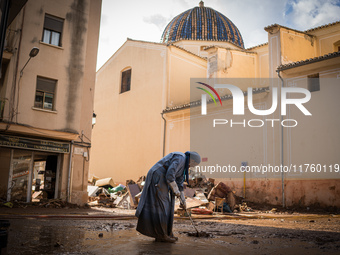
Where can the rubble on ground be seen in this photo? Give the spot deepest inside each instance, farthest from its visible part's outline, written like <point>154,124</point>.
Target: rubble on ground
<point>106,193</point>
<point>214,198</point>
<point>203,196</point>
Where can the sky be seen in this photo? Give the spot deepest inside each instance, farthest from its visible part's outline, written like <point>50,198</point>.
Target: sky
<point>146,19</point>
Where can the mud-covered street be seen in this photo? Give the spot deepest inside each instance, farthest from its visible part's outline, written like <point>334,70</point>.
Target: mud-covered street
<point>108,231</point>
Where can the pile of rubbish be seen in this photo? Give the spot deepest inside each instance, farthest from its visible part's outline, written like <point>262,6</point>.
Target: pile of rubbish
<point>106,193</point>
<point>203,196</point>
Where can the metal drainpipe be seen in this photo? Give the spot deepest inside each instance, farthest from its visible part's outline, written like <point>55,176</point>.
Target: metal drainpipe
<point>68,198</point>
<point>164,135</point>
<point>282,162</point>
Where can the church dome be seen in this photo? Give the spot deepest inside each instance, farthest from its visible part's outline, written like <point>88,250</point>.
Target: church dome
<point>202,23</point>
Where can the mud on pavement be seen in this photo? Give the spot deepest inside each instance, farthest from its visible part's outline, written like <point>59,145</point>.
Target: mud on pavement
<point>110,236</point>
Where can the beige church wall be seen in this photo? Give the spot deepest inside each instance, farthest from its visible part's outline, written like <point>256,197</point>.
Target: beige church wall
<point>239,142</point>
<point>263,70</point>
<point>224,63</point>
<point>238,64</point>
<point>260,190</point>
<point>130,153</point>
<point>300,189</point>
<point>274,51</point>
<point>325,39</point>
<point>314,192</point>
<point>297,193</point>
<point>291,41</point>
<point>315,140</point>
<point>192,46</point>
<point>177,131</point>
<point>197,47</point>
<point>304,144</point>
<point>225,145</point>
<point>254,145</point>
<point>182,67</point>
<point>262,61</point>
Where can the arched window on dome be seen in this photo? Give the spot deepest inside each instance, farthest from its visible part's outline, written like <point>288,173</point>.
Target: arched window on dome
<point>125,83</point>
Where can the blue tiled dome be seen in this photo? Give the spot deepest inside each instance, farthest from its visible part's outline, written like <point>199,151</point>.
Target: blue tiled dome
<point>202,23</point>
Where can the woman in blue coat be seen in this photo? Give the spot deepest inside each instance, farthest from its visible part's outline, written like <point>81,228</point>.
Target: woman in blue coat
<point>163,182</point>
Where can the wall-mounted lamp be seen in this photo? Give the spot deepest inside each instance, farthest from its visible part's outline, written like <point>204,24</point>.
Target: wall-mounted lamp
<point>94,116</point>
<point>34,51</point>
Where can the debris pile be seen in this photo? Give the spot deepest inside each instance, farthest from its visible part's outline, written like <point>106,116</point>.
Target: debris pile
<point>106,193</point>
<point>206,197</point>
<point>244,208</point>
<point>203,196</point>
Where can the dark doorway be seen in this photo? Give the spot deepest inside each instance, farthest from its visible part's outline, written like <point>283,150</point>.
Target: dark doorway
<point>45,176</point>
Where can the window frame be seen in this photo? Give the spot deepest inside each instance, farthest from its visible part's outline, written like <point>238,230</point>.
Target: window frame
<point>336,46</point>
<point>313,82</point>
<point>125,88</point>
<point>52,31</point>
<point>44,93</point>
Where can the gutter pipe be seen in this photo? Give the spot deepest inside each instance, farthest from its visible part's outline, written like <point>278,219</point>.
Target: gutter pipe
<point>164,134</point>
<point>282,161</point>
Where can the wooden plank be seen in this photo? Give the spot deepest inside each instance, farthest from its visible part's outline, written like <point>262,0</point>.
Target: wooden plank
<point>191,203</point>
<point>194,202</point>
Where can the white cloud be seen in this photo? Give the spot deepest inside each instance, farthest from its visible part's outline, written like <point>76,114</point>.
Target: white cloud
<point>158,20</point>
<point>305,14</point>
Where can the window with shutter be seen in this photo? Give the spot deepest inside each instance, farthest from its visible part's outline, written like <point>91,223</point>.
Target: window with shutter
<point>126,81</point>
<point>53,28</point>
<point>45,93</point>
